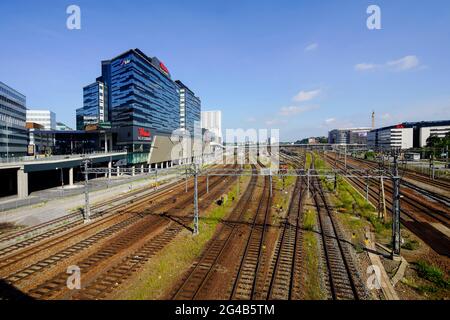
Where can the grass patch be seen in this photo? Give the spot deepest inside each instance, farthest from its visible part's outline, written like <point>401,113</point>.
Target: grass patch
<point>411,245</point>
<point>432,273</point>
<point>310,247</point>
<point>308,160</point>
<point>167,266</point>
<point>288,181</point>
<point>348,201</point>
<point>309,220</point>
<point>280,201</point>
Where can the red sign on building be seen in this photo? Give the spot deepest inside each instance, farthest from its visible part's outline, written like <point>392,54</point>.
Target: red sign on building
<point>143,133</point>
<point>164,68</point>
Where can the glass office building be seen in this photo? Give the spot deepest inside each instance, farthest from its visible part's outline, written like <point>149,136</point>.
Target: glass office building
<point>141,100</point>
<point>144,100</point>
<point>190,108</point>
<point>13,133</point>
<point>84,119</point>
<point>95,102</point>
<point>142,93</point>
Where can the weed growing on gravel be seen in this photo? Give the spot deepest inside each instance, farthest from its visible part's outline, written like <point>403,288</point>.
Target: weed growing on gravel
<point>411,245</point>
<point>432,274</point>
<point>309,220</point>
<point>167,266</point>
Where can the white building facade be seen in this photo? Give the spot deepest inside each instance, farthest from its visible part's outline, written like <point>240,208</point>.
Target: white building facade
<point>212,121</point>
<point>407,135</point>
<point>438,130</point>
<point>45,118</point>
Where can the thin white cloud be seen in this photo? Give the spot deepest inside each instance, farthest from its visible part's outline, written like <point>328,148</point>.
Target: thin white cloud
<point>306,95</point>
<point>292,110</point>
<point>365,66</point>
<point>251,119</point>
<point>333,123</point>
<point>272,122</point>
<point>403,64</point>
<point>312,46</point>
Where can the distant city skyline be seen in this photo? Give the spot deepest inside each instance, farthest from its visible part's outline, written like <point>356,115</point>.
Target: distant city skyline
<point>301,66</point>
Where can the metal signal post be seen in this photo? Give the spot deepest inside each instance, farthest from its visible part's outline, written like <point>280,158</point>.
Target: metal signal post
<point>195,168</point>
<point>86,212</point>
<point>396,236</point>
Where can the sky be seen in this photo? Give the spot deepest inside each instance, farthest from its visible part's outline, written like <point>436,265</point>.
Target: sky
<point>301,66</point>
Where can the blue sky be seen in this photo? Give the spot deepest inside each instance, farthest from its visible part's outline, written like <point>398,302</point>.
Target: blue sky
<point>301,66</point>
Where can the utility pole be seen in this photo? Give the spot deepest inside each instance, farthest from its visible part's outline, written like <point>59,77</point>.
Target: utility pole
<point>87,212</point>
<point>196,231</point>
<point>345,157</point>
<point>431,166</point>
<point>447,165</point>
<point>383,199</point>
<point>367,187</point>
<point>185,178</point>
<point>307,187</point>
<point>396,209</point>
<point>238,182</point>
<point>207,183</point>
<point>335,159</point>
<point>270,178</point>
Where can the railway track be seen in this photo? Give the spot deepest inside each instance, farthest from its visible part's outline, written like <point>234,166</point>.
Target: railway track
<point>34,234</point>
<point>134,246</point>
<point>412,216</point>
<point>199,275</point>
<point>107,281</point>
<point>415,201</point>
<point>342,280</point>
<point>52,237</point>
<point>442,199</point>
<point>284,283</point>
<point>246,283</point>
<point>407,173</point>
<point>132,218</point>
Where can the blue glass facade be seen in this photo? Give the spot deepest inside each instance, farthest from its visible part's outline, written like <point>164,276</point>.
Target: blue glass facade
<point>190,108</point>
<point>142,95</point>
<point>13,134</point>
<point>80,118</point>
<point>95,104</point>
<point>141,100</point>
